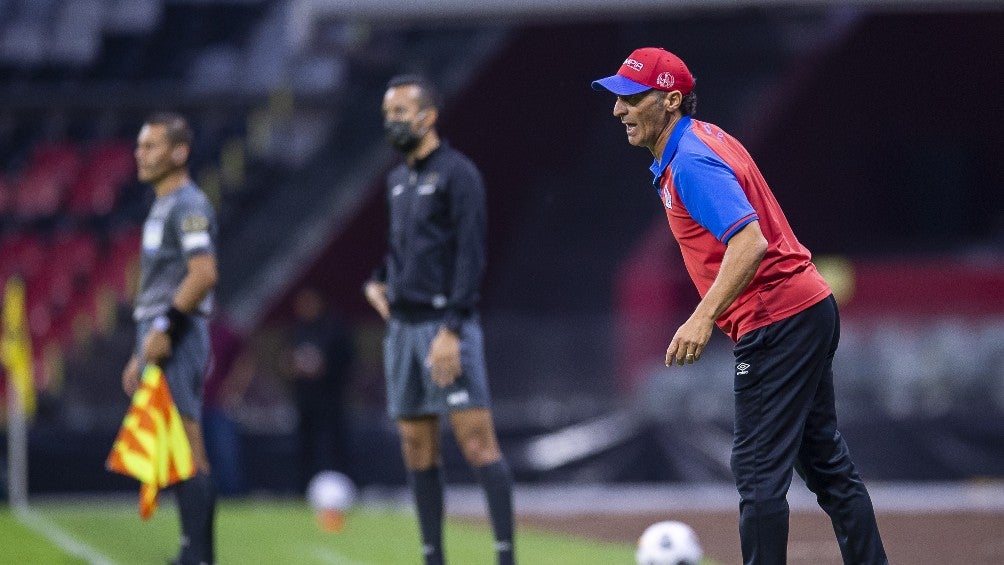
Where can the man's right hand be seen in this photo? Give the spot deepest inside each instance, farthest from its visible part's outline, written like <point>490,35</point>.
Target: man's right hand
<point>130,376</point>
<point>376,294</point>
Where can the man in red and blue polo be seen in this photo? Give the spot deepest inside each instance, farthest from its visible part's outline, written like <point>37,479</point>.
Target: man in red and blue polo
<point>758,284</point>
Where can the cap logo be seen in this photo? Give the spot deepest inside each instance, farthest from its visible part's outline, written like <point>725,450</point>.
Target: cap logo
<point>665,80</point>
<point>629,62</point>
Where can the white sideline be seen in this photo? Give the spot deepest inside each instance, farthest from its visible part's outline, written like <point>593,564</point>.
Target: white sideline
<point>572,499</point>
<point>332,557</point>
<point>25,515</point>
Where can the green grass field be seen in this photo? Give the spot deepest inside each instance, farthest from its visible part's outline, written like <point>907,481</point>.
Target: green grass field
<point>274,532</point>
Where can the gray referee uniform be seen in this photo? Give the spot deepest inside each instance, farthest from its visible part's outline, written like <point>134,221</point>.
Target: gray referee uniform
<point>179,226</point>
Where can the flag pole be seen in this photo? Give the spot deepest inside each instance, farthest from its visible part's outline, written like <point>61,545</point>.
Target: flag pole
<point>16,356</point>
<point>17,449</point>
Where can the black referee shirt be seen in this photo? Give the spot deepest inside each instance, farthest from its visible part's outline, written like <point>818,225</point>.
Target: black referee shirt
<point>436,241</point>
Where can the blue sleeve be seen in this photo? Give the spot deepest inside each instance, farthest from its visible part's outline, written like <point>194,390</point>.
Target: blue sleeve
<point>709,189</point>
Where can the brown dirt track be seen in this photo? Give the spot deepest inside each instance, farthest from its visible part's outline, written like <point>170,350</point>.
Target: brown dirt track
<point>918,538</point>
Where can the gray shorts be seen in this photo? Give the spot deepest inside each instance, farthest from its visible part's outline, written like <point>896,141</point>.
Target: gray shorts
<point>410,389</point>
<point>187,366</point>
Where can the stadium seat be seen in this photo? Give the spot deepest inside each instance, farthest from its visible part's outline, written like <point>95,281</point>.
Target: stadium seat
<point>23,254</point>
<point>76,251</point>
<point>96,188</point>
<point>42,186</point>
<point>118,265</point>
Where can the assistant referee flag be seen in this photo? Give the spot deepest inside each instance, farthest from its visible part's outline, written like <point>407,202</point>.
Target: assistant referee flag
<point>151,445</point>
<point>15,347</point>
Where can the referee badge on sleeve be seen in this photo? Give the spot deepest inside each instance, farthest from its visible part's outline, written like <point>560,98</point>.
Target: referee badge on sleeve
<point>195,234</point>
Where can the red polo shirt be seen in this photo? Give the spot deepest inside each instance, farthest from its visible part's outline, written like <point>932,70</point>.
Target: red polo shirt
<point>711,188</point>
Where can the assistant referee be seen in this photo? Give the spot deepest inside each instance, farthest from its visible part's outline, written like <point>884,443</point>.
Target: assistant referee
<point>177,275</point>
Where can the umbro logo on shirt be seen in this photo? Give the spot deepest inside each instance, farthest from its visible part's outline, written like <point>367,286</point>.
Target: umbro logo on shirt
<point>742,368</point>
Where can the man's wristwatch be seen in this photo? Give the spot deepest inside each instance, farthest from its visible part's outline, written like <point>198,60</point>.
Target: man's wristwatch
<point>162,323</point>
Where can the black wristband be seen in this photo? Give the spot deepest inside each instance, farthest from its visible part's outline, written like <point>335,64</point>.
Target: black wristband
<point>179,324</point>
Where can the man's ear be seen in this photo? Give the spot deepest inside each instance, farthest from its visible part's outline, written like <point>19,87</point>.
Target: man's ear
<point>430,115</point>
<point>672,101</point>
<point>179,155</point>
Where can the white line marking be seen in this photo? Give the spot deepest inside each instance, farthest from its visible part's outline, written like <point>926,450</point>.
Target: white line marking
<point>53,533</point>
<point>332,557</point>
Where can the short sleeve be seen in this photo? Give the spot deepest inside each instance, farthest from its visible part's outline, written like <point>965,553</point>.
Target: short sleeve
<point>708,187</point>
<point>194,220</point>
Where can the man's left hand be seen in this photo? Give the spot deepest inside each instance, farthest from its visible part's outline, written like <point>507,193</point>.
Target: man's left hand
<point>444,358</point>
<point>689,342</point>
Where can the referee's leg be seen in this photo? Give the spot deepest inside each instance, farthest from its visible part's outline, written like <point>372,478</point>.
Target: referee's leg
<point>196,497</point>
<point>475,434</point>
<point>420,450</point>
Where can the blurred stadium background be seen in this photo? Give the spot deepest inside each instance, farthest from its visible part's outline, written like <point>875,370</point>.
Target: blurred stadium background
<point>878,124</point>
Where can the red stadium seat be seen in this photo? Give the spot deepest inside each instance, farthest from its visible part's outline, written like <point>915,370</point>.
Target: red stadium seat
<point>43,184</point>
<point>96,188</point>
<point>117,266</point>
<point>24,254</point>
<point>76,251</point>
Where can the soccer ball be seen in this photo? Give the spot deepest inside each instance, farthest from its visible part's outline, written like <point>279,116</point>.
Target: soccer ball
<point>331,494</point>
<point>668,543</point>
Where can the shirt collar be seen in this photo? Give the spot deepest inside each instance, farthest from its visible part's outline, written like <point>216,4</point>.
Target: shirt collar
<point>421,162</point>
<point>659,165</point>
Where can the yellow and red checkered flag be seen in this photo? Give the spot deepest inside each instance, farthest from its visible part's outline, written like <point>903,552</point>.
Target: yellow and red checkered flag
<point>15,345</point>
<point>151,445</point>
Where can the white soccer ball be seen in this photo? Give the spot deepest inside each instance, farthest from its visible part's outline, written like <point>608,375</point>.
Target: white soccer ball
<point>331,490</point>
<point>668,543</point>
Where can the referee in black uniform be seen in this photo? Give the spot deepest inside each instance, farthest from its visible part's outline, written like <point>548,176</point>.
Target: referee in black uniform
<point>427,290</point>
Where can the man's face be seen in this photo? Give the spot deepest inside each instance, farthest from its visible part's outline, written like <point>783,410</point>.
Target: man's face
<point>644,117</point>
<point>154,158</point>
<point>401,104</point>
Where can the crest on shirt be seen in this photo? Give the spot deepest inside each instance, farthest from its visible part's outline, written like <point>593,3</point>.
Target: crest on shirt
<point>667,196</point>
<point>195,223</point>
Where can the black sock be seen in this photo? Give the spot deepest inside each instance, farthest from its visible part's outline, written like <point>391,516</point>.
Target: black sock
<point>196,505</point>
<point>427,488</point>
<point>496,480</point>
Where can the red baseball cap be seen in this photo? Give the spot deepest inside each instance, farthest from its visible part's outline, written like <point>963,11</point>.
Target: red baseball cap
<point>645,68</point>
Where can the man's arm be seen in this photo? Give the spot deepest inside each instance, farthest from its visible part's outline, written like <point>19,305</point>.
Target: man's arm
<point>742,258</point>
<point>468,213</point>
<point>467,201</point>
<point>201,277</point>
<point>375,289</point>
